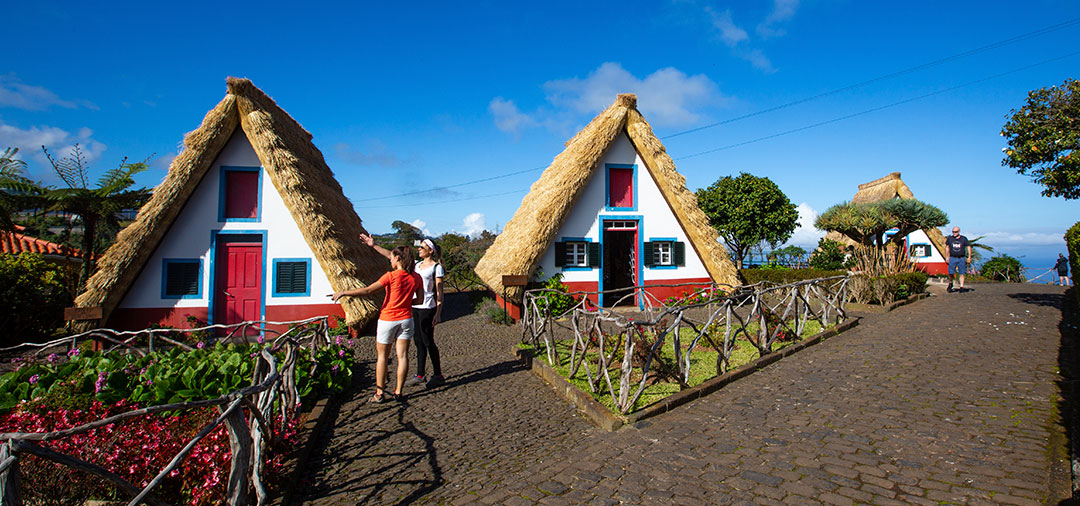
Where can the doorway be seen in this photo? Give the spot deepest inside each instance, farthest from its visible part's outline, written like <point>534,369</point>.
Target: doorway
<point>238,273</point>
<point>620,262</point>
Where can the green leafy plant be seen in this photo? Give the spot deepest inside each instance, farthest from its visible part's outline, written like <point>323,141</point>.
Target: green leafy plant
<point>829,255</point>
<point>1003,268</point>
<point>34,294</point>
<point>746,211</point>
<point>555,301</point>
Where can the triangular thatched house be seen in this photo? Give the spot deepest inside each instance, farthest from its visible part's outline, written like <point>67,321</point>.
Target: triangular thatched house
<point>249,224</point>
<point>610,212</point>
<point>926,246</point>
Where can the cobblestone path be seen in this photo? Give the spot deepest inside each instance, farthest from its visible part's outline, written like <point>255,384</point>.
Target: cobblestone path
<point>948,400</point>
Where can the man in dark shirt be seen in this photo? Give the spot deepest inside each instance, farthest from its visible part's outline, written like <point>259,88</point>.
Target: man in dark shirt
<point>958,248</point>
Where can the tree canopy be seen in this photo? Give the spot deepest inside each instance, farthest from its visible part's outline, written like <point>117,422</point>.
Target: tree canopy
<point>16,190</point>
<point>1043,137</point>
<point>748,210</point>
<point>867,223</point>
<point>94,206</point>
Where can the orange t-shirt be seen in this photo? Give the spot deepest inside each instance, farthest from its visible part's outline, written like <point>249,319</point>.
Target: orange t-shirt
<point>400,286</point>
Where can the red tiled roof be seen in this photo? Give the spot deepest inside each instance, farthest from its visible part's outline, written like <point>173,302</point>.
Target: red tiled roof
<point>15,242</point>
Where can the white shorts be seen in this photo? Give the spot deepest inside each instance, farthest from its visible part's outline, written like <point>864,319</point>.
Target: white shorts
<point>386,331</point>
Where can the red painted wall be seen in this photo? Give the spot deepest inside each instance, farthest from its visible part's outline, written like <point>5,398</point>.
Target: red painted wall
<point>141,318</point>
<point>933,268</point>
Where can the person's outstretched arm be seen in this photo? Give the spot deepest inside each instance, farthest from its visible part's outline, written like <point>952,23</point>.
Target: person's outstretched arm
<point>370,241</point>
<point>364,290</point>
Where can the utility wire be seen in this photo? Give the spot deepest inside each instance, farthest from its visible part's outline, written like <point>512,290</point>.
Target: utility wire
<point>947,59</point>
<point>885,77</point>
<point>445,201</point>
<point>875,109</point>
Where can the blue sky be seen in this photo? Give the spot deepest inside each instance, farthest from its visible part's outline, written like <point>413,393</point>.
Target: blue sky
<point>420,98</point>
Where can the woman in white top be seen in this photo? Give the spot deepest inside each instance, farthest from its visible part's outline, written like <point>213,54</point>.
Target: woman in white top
<point>425,314</point>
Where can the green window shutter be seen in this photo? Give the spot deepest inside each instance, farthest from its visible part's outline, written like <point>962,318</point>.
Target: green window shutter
<point>291,277</point>
<point>647,254</point>
<point>678,251</point>
<point>182,278</point>
<point>594,254</point>
<point>560,254</point>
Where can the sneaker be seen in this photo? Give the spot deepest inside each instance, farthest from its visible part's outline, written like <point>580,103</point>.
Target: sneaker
<point>415,380</point>
<point>435,381</point>
<point>949,288</point>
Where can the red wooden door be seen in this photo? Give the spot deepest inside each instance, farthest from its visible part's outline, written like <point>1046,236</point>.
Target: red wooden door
<point>238,280</point>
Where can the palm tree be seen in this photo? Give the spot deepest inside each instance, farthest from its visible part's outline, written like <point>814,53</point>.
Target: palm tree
<point>16,191</point>
<point>94,206</point>
<point>975,247</point>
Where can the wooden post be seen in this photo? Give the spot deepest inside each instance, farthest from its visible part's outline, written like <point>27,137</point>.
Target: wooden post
<point>9,478</point>
<point>512,280</point>
<point>240,442</point>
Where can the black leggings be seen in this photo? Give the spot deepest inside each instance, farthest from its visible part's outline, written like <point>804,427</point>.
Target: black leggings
<point>424,319</point>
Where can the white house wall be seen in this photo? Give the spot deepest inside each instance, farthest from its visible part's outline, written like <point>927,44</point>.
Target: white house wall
<point>657,219</point>
<point>920,237</point>
<point>189,238</point>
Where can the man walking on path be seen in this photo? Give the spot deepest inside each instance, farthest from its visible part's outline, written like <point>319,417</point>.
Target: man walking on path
<point>959,248</point>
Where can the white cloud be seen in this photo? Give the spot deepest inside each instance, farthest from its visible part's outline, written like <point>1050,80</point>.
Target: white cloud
<point>806,235</point>
<point>999,239</point>
<point>666,97</point>
<point>474,224</point>
<point>421,225</point>
<point>507,116</point>
<point>60,142</point>
<point>731,34</point>
<point>783,10</point>
<point>14,93</point>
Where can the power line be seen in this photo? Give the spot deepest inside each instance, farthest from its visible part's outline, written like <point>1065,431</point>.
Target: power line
<point>875,109</point>
<point>957,56</point>
<point>444,201</point>
<point>947,59</point>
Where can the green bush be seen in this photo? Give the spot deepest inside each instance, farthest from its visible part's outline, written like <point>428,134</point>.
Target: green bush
<point>829,255</point>
<point>784,276</point>
<point>1003,268</point>
<point>1072,241</point>
<point>34,294</point>
<point>558,300</point>
<point>910,283</point>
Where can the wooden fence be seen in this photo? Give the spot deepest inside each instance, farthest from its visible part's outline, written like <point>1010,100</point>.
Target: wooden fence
<point>761,313</point>
<point>247,413</point>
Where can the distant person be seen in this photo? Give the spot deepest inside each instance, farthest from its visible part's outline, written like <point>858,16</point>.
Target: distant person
<point>403,289</point>
<point>427,313</point>
<point>959,257</point>
<point>1062,267</point>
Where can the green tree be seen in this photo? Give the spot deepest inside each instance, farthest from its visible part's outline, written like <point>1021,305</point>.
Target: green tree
<point>976,257</point>
<point>35,294</point>
<point>1043,137</point>
<point>406,233</point>
<point>866,223</point>
<point>829,255</point>
<point>16,191</point>
<point>748,210</point>
<point>95,207</point>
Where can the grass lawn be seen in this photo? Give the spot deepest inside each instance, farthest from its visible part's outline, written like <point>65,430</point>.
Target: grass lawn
<point>702,365</point>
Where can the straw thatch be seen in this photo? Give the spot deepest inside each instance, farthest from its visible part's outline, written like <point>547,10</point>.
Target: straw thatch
<point>888,187</point>
<point>525,238</point>
<point>297,169</point>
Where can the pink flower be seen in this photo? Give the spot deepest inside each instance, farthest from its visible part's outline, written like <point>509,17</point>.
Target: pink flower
<point>33,379</point>
<point>74,352</point>
<point>51,358</point>
<point>99,385</point>
<point>200,345</point>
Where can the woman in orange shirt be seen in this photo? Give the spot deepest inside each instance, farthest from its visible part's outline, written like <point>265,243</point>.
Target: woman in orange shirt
<point>403,289</point>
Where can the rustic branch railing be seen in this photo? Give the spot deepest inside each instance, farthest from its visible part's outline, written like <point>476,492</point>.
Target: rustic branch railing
<point>597,335</point>
<point>247,413</point>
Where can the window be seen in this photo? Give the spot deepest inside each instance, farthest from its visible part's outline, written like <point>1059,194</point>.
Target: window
<point>181,279</point>
<point>292,277</point>
<point>665,253</point>
<point>240,192</point>
<point>920,250</point>
<point>621,193</point>
<point>577,254</point>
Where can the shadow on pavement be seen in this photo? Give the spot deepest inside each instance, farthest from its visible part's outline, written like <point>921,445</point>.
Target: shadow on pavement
<point>1040,299</point>
<point>1069,366</point>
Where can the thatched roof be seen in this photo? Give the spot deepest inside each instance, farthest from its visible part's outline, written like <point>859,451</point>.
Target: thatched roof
<point>297,169</point>
<point>888,187</point>
<point>525,238</point>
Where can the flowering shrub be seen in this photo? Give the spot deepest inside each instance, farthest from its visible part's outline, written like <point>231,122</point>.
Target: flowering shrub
<point>135,449</point>
<point>695,297</point>
<point>164,377</point>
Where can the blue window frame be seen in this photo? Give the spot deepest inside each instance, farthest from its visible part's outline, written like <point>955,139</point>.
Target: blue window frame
<point>292,277</point>
<point>181,278</point>
<point>223,193</point>
<point>607,186</point>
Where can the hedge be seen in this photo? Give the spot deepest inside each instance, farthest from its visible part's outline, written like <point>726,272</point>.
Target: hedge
<point>783,276</point>
<point>1072,241</point>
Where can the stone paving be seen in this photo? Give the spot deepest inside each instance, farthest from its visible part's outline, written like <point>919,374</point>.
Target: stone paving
<point>948,400</point>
